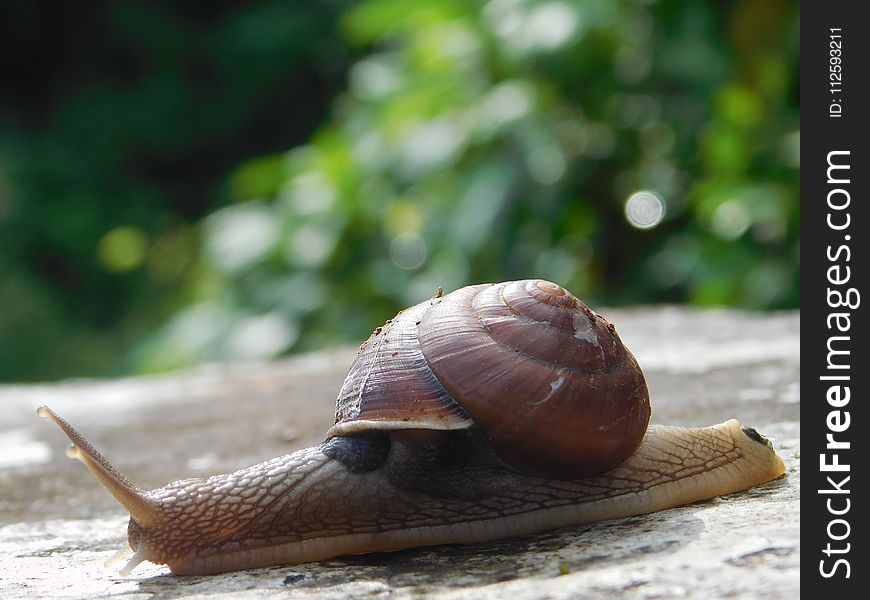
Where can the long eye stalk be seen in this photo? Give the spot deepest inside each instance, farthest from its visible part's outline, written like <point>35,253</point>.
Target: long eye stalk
<point>130,496</point>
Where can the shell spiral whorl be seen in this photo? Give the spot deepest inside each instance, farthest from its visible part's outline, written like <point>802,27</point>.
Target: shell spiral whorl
<point>494,356</point>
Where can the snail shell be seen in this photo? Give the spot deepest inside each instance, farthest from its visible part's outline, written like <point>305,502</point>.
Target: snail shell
<point>546,379</point>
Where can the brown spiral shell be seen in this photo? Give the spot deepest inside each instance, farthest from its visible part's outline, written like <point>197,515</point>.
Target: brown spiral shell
<point>545,378</point>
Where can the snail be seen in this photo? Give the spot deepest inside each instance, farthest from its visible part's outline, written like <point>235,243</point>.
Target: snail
<point>495,411</point>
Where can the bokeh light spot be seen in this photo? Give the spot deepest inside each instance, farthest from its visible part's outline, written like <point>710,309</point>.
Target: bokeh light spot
<point>644,210</point>
<point>731,220</point>
<point>551,24</point>
<point>546,164</point>
<point>261,336</point>
<point>123,249</point>
<point>310,246</point>
<point>239,236</point>
<point>408,251</point>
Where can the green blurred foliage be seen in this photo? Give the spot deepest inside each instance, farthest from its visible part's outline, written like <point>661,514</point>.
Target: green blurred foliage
<point>472,141</point>
<point>119,121</point>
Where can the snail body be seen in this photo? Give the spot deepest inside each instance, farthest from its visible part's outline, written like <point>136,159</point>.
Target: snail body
<point>494,411</point>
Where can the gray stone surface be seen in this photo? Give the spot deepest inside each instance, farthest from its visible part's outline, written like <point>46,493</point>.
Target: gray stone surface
<point>57,525</point>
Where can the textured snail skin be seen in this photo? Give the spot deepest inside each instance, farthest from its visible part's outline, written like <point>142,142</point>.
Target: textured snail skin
<point>314,504</point>
<point>495,411</point>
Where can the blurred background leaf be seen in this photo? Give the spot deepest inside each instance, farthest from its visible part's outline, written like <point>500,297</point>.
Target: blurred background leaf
<point>181,184</point>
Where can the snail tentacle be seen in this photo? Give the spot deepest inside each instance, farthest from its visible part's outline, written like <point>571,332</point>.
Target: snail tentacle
<point>126,493</point>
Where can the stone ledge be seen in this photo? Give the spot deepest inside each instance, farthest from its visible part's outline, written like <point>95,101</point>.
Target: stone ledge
<point>57,525</point>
